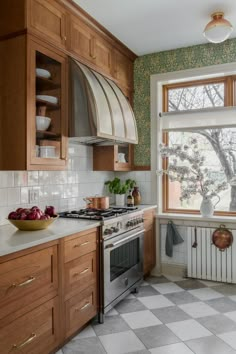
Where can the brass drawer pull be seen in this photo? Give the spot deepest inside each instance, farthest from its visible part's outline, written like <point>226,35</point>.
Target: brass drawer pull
<point>85,306</point>
<point>82,244</point>
<point>83,272</point>
<point>27,341</point>
<point>14,285</point>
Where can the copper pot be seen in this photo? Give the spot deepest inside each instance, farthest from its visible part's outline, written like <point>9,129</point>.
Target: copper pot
<point>222,238</point>
<point>97,202</point>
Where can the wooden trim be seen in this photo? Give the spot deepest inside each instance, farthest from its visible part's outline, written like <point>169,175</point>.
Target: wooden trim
<point>229,100</point>
<point>141,168</point>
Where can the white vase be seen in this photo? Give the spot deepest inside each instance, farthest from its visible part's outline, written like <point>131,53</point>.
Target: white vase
<point>206,207</point>
<point>120,199</point>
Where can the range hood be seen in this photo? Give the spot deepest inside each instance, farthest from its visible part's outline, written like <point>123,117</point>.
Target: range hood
<point>100,113</point>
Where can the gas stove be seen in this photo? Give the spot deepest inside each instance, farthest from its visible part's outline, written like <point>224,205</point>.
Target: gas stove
<point>114,221</point>
<point>97,214</point>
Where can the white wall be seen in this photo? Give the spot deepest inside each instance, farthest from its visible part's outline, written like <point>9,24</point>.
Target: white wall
<point>179,251</point>
<point>63,189</point>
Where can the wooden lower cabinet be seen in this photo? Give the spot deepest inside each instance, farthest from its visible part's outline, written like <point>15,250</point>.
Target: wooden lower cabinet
<point>149,253</point>
<point>80,309</point>
<point>36,332</point>
<point>47,293</point>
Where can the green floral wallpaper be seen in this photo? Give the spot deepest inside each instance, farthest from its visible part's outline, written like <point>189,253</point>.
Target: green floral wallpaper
<point>162,62</point>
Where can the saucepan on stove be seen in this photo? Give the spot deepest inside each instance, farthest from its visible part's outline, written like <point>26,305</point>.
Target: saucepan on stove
<point>97,202</point>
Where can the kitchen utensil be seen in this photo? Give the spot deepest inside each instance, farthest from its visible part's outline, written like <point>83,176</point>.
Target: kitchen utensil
<point>43,73</point>
<point>46,98</point>
<point>47,151</point>
<point>41,110</point>
<point>57,144</point>
<point>222,238</point>
<point>97,202</point>
<point>32,225</point>
<point>42,123</point>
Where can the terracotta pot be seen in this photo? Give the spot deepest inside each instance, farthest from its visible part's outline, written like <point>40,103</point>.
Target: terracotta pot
<point>222,238</point>
<point>97,202</point>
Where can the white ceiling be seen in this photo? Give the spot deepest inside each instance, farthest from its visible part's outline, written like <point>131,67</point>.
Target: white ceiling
<point>149,26</point>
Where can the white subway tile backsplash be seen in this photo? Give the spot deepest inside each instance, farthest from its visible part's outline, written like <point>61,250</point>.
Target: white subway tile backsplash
<point>13,196</point>
<point>3,197</point>
<point>20,178</point>
<point>33,178</point>
<point>6,179</point>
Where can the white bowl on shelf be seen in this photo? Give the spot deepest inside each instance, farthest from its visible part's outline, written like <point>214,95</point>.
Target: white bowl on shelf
<point>46,98</point>
<point>43,73</point>
<point>42,123</point>
<point>47,151</point>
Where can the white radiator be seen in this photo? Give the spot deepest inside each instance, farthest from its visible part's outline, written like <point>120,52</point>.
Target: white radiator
<point>205,261</point>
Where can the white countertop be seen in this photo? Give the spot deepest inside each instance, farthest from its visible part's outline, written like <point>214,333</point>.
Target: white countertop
<point>13,240</point>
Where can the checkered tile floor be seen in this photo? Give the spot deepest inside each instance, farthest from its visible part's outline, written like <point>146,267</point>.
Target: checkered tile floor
<point>167,316</point>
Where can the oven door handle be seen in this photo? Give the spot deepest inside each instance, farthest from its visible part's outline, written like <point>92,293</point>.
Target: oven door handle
<point>124,240</point>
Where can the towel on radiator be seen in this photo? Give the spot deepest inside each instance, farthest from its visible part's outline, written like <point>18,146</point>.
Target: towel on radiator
<point>172,238</point>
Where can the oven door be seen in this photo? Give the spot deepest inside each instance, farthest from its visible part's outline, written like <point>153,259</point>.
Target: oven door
<point>123,264</point>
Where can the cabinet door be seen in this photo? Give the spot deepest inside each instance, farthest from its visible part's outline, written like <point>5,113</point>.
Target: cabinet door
<point>103,55</point>
<point>123,158</point>
<point>123,70</point>
<point>149,253</point>
<point>82,40</point>
<point>34,333</point>
<point>47,97</point>
<point>48,18</point>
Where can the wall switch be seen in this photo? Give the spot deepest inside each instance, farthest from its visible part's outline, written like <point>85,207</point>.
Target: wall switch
<point>33,196</point>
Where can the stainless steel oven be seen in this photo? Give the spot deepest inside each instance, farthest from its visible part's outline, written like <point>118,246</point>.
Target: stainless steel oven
<point>122,259</point>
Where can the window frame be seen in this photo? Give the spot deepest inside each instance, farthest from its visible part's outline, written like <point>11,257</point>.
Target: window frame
<point>229,100</point>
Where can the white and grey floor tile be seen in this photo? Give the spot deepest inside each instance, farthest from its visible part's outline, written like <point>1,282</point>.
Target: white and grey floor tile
<point>189,329</point>
<point>198,309</point>
<point>167,316</point>
<point>141,319</point>
<point>218,323</point>
<point>167,288</point>
<point>155,302</point>
<point>119,343</point>
<point>206,294</point>
<point>170,314</point>
<point>208,345</point>
<point>229,338</point>
<point>178,348</point>
<point>156,336</point>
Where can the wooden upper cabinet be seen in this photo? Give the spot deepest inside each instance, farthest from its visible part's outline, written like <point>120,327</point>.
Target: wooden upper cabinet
<point>48,19</point>
<point>123,71</point>
<point>81,39</point>
<point>103,55</point>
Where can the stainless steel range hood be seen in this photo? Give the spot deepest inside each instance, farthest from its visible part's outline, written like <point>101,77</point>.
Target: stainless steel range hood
<point>100,113</point>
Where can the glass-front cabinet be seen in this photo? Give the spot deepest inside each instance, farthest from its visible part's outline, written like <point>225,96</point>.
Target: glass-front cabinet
<point>47,112</point>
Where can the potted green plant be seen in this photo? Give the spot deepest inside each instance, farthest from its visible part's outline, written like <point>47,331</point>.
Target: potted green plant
<point>119,188</point>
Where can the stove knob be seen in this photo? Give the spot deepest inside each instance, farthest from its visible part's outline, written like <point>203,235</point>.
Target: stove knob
<point>106,232</point>
<point>131,222</point>
<point>128,224</point>
<point>115,229</point>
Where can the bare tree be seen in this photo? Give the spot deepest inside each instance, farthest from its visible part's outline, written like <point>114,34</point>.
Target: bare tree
<point>223,141</point>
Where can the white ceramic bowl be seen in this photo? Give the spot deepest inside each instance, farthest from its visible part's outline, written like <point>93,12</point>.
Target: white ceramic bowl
<point>47,151</point>
<point>50,99</point>
<point>43,73</point>
<point>42,123</point>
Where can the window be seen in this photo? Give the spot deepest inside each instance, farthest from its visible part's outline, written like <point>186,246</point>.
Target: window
<point>216,144</point>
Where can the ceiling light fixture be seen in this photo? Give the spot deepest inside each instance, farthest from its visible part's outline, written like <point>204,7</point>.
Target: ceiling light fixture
<point>218,29</point>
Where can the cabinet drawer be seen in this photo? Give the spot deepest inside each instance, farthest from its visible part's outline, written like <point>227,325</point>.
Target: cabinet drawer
<point>27,278</point>
<point>34,333</point>
<point>80,273</point>
<point>80,309</point>
<point>78,246</point>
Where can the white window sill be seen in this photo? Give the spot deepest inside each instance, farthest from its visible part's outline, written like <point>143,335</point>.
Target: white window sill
<point>187,219</point>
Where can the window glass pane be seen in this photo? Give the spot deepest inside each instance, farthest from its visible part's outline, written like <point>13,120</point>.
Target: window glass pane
<point>218,147</point>
<point>196,97</point>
